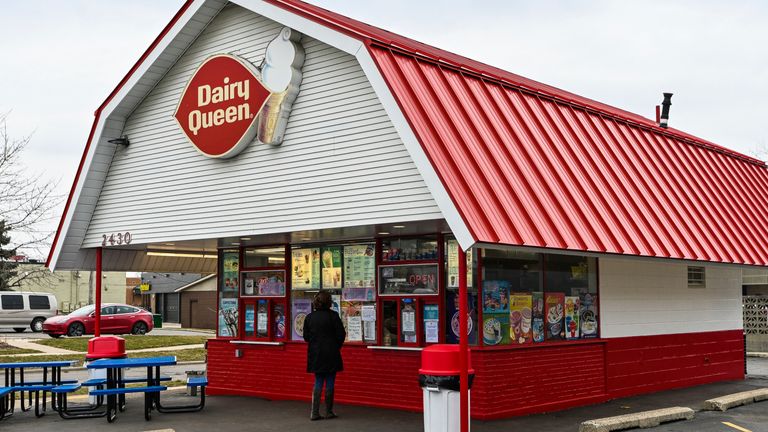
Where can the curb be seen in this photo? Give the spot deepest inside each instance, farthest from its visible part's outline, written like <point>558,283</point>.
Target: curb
<point>645,419</point>
<point>757,354</point>
<point>726,402</point>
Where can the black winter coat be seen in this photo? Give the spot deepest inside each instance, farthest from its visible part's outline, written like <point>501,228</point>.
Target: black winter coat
<point>325,335</point>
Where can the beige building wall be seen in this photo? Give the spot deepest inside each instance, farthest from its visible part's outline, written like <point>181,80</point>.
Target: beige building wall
<point>72,288</point>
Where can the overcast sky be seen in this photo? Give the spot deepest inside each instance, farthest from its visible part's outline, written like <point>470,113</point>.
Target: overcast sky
<point>60,59</point>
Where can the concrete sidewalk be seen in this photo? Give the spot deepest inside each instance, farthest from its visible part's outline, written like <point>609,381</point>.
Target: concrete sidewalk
<point>238,413</point>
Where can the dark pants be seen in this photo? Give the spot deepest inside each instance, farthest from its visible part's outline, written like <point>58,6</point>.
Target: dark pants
<point>325,378</point>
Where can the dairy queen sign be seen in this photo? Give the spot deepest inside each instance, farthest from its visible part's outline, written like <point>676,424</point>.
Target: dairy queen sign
<point>228,102</point>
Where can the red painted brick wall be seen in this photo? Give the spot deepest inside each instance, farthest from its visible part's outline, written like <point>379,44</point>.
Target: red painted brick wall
<point>647,364</point>
<point>509,381</point>
<point>516,381</point>
<point>371,377</point>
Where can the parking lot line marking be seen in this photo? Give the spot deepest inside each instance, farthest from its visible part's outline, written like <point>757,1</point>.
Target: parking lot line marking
<point>737,427</point>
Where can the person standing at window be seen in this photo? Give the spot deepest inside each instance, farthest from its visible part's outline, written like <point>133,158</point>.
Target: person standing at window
<point>324,333</point>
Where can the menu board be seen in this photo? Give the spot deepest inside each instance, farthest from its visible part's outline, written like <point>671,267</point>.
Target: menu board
<point>300,308</point>
<point>452,315</point>
<point>571,317</point>
<point>331,267</point>
<point>360,266</point>
<point>537,322</point>
<point>264,283</point>
<point>453,265</point>
<point>495,296</point>
<point>351,317</point>
<point>228,317</point>
<point>278,320</point>
<point>520,318</point>
<point>554,314</point>
<point>431,323</point>
<point>588,315</point>
<point>496,329</point>
<point>305,268</point>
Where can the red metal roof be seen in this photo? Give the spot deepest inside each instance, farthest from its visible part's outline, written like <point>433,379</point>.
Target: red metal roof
<point>532,165</point>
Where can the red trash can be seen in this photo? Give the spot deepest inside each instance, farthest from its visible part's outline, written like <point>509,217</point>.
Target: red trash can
<point>439,380</point>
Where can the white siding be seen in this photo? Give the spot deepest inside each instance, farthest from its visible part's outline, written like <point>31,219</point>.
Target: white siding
<point>639,297</point>
<point>341,163</point>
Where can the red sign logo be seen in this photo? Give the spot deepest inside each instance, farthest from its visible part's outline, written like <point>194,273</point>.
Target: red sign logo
<point>219,106</point>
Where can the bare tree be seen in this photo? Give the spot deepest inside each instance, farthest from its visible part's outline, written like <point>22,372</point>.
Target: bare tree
<point>27,201</point>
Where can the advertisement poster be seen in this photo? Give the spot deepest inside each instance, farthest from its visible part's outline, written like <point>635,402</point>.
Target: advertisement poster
<point>359,266</point>
<point>228,317</point>
<point>351,317</point>
<point>262,320</point>
<point>496,329</point>
<point>408,321</point>
<point>495,296</point>
<point>270,283</point>
<point>305,267</point>
<point>358,294</point>
<point>369,322</point>
<point>250,317</point>
<point>331,264</point>
<point>431,323</point>
<point>588,315</point>
<point>278,319</point>
<point>554,314</point>
<point>248,286</point>
<point>537,323</point>
<point>452,315</point>
<point>571,317</point>
<point>230,275</point>
<point>520,318</point>
<point>300,308</point>
<point>453,265</point>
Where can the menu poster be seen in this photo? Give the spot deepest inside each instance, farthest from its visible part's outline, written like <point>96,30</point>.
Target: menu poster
<point>300,308</point>
<point>588,315</point>
<point>571,317</point>
<point>228,317</point>
<point>431,323</point>
<point>452,315</point>
<point>278,320</point>
<point>250,317</point>
<point>453,265</point>
<point>554,314</point>
<point>262,320</point>
<point>496,329</point>
<point>359,266</point>
<point>230,274</point>
<point>495,296</point>
<point>331,264</point>
<point>305,266</point>
<point>520,318</point>
<point>537,323</point>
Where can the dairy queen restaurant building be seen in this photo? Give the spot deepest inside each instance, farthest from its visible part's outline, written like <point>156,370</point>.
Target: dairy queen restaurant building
<point>289,149</point>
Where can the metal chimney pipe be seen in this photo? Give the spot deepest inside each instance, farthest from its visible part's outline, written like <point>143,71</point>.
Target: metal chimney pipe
<point>665,110</point>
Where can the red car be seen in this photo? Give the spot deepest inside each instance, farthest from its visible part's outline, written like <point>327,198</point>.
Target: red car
<point>115,319</point>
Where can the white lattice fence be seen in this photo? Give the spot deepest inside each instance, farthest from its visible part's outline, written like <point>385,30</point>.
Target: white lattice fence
<point>756,315</point>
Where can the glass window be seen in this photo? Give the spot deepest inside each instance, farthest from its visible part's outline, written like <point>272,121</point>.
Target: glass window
<point>264,257</point>
<point>263,283</point>
<point>521,271</point>
<point>125,310</point>
<point>12,302</point>
<point>409,249</point>
<point>39,302</point>
<point>389,325</point>
<point>108,310</point>
<point>408,279</point>
<point>570,275</point>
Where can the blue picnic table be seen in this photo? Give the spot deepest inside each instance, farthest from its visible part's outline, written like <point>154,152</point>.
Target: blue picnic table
<point>15,382</point>
<point>115,386</point>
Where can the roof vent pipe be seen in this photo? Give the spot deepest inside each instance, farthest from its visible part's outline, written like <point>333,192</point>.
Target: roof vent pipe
<point>664,120</point>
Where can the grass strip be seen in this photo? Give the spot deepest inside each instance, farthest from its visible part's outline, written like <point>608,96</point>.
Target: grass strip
<point>132,342</point>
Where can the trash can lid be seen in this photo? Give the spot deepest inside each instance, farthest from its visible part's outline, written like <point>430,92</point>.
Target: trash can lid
<point>106,347</point>
<point>442,360</point>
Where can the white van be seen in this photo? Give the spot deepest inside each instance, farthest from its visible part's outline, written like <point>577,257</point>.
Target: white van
<point>22,310</point>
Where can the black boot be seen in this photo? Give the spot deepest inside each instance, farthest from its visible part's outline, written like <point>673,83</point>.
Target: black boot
<point>329,414</point>
<point>316,393</point>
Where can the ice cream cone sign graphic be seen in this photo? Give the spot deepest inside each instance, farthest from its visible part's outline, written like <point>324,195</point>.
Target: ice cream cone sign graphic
<point>228,102</point>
